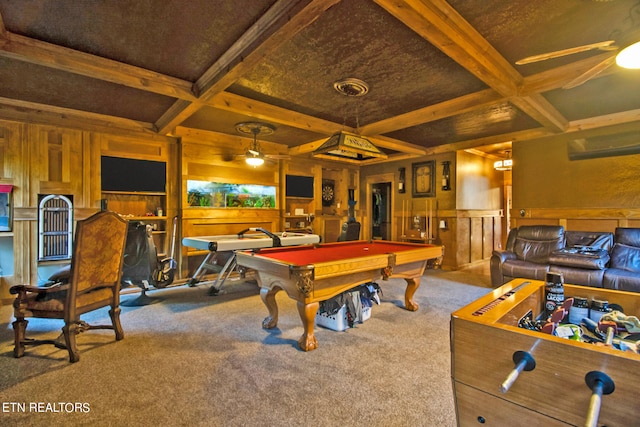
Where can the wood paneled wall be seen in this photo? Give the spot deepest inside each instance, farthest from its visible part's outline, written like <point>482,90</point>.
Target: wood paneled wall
<point>578,219</point>
<point>46,159</point>
<point>212,157</point>
<point>596,194</point>
<point>472,209</point>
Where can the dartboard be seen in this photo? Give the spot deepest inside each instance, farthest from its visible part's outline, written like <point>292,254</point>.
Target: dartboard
<point>327,194</point>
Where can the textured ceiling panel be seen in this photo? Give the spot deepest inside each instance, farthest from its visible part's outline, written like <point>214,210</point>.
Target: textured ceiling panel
<point>439,72</point>
<point>613,96</point>
<point>356,38</point>
<point>177,38</point>
<point>497,119</point>
<point>520,28</point>
<point>33,83</point>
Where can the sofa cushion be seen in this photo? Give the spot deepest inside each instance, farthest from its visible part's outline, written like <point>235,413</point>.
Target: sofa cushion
<point>518,268</point>
<point>536,243</point>
<point>621,280</point>
<point>580,276</point>
<point>625,257</point>
<point>579,258</point>
<point>593,240</point>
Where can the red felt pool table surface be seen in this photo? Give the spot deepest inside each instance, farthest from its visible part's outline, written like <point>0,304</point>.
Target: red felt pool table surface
<point>302,255</point>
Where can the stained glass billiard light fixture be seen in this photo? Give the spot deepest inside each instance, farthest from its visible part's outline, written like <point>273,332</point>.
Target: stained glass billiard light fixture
<point>348,146</point>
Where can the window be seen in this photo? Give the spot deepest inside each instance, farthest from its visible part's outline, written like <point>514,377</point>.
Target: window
<point>55,228</point>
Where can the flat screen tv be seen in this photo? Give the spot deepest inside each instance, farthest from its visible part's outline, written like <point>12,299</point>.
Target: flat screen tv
<point>299,186</point>
<point>121,174</point>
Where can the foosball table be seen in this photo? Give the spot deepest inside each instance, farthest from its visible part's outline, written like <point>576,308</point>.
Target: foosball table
<point>504,374</point>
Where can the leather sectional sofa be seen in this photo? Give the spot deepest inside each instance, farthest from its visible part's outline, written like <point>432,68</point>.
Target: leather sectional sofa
<point>598,259</point>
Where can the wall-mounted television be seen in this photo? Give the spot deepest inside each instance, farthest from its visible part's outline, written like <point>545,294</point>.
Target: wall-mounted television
<point>299,186</point>
<point>122,174</point>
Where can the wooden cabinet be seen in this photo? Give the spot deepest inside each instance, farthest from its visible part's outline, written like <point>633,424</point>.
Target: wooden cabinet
<point>485,338</point>
<point>147,207</point>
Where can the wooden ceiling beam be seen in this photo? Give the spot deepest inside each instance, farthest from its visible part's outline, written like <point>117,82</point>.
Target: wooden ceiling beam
<point>537,107</point>
<point>490,140</point>
<point>281,22</point>
<point>45,54</point>
<point>608,120</point>
<point>236,141</point>
<point>434,20</point>
<point>32,112</point>
<point>306,148</point>
<point>440,24</point>
<point>391,158</point>
<point>270,113</point>
<point>532,85</point>
<point>626,121</point>
<point>396,145</point>
<point>263,111</point>
<point>435,112</point>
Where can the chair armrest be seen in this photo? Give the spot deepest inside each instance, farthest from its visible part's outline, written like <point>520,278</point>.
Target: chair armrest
<point>17,289</point>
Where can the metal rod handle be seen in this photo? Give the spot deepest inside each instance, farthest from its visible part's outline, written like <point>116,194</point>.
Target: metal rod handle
<point>599,383</point>
<point>524,362</point>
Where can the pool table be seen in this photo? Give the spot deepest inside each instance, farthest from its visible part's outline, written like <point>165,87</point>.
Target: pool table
<point>314,273</point>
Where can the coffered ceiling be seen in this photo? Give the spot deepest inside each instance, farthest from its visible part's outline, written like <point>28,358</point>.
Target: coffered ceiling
<point>441,75</point>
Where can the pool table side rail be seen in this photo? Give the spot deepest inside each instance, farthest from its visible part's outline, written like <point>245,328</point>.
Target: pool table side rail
<point>336,268</point>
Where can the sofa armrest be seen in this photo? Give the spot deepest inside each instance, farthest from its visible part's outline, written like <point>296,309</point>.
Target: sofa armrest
<point>503,256</point>
<point>497,259</point>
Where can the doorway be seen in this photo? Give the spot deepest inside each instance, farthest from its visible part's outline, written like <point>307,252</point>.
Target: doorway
<point>381,211</point>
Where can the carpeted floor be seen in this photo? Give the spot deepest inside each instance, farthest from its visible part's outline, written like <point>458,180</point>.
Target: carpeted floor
<point>194,359</point>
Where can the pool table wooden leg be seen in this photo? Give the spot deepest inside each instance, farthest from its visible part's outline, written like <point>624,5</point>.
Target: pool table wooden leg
<point>269,299</point>
<point>308,341</point>
<point>412,287</point>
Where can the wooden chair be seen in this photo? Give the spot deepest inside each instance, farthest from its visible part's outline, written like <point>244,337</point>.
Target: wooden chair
<point>94,282</point>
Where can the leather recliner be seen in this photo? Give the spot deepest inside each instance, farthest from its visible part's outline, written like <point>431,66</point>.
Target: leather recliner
<point>526,254</point>
<point>597,259</point>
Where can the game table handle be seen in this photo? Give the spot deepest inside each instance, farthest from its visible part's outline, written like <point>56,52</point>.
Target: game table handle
<point>524,362</point>
<point>276,239</point>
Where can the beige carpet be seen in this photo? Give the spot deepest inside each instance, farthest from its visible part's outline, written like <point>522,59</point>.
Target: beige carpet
<point>194,360</point>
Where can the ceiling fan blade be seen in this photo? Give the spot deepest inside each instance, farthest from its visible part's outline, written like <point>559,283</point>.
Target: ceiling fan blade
<point>591,73</point>
<point>606,45</point>
<point>278,156</point>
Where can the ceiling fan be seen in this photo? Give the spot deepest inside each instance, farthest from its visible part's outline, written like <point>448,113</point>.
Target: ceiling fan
<point>626,53</point>
<point>254,156</point>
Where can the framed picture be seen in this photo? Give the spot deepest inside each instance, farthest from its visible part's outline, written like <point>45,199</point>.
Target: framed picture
<point>424,179</point>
